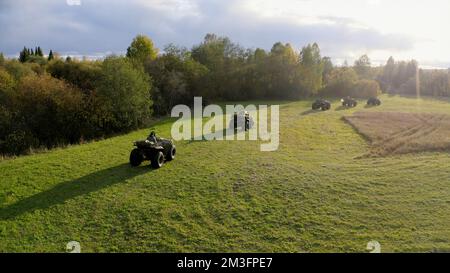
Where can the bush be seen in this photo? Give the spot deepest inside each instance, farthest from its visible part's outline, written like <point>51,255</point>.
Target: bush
<point>13,140</point>
<point>7,82</point>
<point>36,68</point>
<point>37,60</point>
<point>18,70</point>
<point>49,110</point>
<point>83,75</point>
<point>18,142</point>
<point>44,111</point>
<point>125,91</point>
<point>5,122</point>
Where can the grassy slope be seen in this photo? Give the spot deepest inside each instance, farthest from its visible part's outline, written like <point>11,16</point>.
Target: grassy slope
<point>310,195</point>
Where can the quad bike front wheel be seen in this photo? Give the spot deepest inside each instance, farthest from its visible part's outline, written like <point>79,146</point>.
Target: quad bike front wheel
<point>171,154</point>
<point>158,160</point>
<point>136,158</point>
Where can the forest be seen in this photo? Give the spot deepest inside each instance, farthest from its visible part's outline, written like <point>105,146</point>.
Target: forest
<point>48,101</point>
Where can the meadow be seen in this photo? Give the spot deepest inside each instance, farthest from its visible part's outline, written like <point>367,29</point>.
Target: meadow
<point>317,193</point>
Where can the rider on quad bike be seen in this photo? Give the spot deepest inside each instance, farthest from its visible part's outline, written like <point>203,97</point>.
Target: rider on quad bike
<point>156,150</point>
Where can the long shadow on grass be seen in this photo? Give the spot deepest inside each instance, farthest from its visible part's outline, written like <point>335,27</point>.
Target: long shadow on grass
<point>70,189</point>
<point>342,108</point>
<point>225,133</point>
<point>310,111</point>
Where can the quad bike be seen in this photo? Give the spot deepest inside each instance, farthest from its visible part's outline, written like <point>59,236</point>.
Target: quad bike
<point>242,120</point>
<point>321,104</point>
<point>349,102</point>
<point>374,102</point>
<point>155,149</point>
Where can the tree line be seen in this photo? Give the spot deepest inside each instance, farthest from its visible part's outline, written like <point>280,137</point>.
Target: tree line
<point>46,101</point>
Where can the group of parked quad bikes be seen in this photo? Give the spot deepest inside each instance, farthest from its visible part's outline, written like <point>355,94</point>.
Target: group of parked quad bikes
<point>349,102</point>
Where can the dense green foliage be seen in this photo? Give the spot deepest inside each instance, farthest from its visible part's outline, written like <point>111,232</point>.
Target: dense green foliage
<point>33,56</point>
<point>177,78</point>
<point>125,93</point>
<point>407,79</point>
<point>433,83</point>
<point>45,111</point>
<point>65,102</point>
<point>19,70</point>
<point>82,74</point>
<point>236,73</point>
<point>121,93</point>
<point>7,81</point>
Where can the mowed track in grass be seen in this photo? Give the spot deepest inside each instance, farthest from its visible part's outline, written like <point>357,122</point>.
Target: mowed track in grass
<point>315,194</point>
<point>401,133</point>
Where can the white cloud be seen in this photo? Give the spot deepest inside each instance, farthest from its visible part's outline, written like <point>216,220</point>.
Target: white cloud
<point>73,2</point>
<point>343,28</point>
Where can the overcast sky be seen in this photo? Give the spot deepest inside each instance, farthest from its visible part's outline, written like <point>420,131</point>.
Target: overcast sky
<point>344,29</point>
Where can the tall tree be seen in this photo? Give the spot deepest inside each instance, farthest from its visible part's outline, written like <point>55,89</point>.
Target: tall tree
<point>176,79</point>
<point>362,67</point>
<point>142,49</point>
<point>280,72</point>
<point>327,68</point>
<point>260,54</point>
<point>310,55</point>
<point>39,52</point>
<point>388,74</point>
<point>223,58</point>
<point>125,90</point>
<point>311,68</point>
<point>215,51</point>
<point>24,55</point>
<point>50,55</point>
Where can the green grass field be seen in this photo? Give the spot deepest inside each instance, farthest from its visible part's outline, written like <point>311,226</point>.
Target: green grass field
<point>315,194</point>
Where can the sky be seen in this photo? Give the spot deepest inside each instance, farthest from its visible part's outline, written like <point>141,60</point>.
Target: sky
<point>344,29</point>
